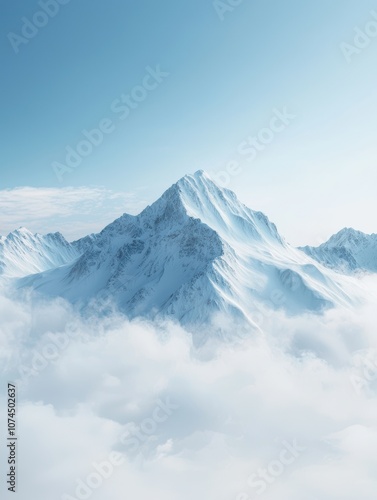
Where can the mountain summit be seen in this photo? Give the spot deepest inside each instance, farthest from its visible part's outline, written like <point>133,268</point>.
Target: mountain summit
<point>219,208</point>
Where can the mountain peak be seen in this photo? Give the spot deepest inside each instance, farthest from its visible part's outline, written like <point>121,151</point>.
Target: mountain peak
<point>200,176</point>
<point>197,173</point>
<point>348,236</point>
<point>197,196</point>
<point>200,181</point>
<point>349,231</point>
<point>348,251</point>
<point>219,208</point>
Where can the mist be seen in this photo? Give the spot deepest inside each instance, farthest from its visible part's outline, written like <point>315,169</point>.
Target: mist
<point>107,405</point>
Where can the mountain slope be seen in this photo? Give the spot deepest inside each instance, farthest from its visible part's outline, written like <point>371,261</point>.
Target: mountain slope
<point>348,251</point>
<point>23,253</point>
<point>195,254</point>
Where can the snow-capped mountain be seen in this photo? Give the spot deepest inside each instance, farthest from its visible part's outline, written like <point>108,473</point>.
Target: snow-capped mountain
<point>348,251</point>
<point>23,253</point>
<point>196,253</point>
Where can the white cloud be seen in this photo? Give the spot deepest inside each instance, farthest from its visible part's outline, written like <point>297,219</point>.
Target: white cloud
<point>73,211</point>
<point>235,408</point>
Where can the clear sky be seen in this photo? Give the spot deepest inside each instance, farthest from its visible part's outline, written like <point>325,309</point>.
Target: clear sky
<point>215,79</point>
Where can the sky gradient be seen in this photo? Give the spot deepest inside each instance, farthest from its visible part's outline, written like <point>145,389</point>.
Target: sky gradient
<point>224,76</point>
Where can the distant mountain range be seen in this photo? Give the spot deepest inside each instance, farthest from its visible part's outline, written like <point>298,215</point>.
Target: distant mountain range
<point>348,251</point>
<point>196,254</point>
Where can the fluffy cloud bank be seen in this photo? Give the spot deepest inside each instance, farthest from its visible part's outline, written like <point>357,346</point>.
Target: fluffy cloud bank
<point>110,408</point>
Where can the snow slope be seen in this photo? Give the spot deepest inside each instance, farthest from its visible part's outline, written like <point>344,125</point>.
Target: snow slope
<point>348,251</point>
<point>195,254</point>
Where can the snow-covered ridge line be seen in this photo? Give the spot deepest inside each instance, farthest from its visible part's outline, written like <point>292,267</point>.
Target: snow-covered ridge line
<point>23,253</point>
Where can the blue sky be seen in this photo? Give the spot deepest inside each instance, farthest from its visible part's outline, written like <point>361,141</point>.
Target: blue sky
<point>224,80</point>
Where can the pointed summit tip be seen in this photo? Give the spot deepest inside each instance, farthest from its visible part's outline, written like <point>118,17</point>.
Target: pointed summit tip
<point>349,231</point>
<point>200,180</point>
<point>199,175</point>
<point>202,174</point>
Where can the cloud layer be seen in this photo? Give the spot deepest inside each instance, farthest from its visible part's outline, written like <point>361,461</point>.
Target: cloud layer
<point>110,408</point>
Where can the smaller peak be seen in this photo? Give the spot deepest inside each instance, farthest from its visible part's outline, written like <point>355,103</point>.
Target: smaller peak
<point>347,232</point>
<point>346,236</point>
